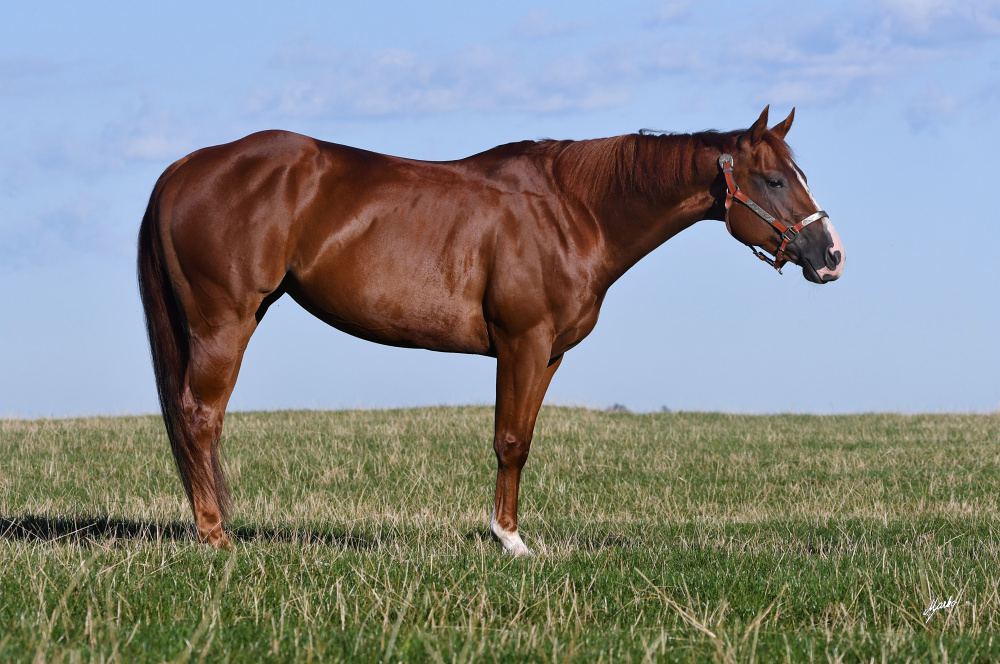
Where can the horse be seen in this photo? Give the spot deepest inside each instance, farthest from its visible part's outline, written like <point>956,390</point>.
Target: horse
<point>508,253</point>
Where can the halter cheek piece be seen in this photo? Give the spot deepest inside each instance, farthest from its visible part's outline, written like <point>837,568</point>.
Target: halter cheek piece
<point>788,233</point>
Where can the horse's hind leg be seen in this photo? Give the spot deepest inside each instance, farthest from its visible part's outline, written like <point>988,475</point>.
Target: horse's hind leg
<point>216,354</point>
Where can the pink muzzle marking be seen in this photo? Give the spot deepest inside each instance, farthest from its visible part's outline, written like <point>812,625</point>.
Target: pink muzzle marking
<point>836,245</point>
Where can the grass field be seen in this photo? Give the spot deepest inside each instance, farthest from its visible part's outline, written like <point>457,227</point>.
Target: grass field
<point>361,536</point>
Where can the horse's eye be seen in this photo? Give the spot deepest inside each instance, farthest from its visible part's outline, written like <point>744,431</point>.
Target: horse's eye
<point>775,184</point>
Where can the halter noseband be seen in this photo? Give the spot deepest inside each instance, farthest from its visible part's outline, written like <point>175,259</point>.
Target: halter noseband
<point>788,233</point>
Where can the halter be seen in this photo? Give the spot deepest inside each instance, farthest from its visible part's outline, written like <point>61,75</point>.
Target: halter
<point>788,233</point>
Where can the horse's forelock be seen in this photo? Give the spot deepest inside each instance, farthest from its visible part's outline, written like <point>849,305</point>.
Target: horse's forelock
<point>781,149</point>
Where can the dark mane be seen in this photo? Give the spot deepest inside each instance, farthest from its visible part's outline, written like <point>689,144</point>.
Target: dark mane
<point>634,164</point>
<point>639,164</point>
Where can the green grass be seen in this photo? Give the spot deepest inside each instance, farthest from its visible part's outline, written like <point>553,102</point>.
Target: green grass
<point>361,536</point>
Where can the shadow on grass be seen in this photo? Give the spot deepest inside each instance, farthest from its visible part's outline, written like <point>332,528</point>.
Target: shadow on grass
<point>87,528</point>
<point>597,541</point>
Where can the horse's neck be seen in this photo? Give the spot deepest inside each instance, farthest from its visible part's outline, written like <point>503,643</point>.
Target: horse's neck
<point>657,189</point>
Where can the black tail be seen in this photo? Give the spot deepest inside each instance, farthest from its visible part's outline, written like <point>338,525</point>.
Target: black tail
<point>169,347</point>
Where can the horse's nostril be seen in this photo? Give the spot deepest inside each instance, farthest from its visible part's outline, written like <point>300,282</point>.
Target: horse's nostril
<point>832,259</point>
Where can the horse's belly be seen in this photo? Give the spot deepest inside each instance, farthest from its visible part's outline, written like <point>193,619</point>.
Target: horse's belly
<point>405,264</point>
<point>390,307</point>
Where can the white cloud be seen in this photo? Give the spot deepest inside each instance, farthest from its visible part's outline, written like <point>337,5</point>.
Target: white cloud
<point>24,75</point>
<point>147,134</point>
<point>668,13</point>
<point>150,133</point>
<point>931,107</point>
<point>77,225</point>
<point>944,28</point>
<point>860,53</point>
<point>537,24</point>
<point>394,82</point>
<point>855,52</point>
<point>944,19</point>
<point>790,72</point>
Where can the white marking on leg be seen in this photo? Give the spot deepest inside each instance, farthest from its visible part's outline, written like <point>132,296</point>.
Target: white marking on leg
<point>511,541</point>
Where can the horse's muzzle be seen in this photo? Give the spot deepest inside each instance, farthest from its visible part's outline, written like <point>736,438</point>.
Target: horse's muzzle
<point>833,258</point>
<point>825,263</point>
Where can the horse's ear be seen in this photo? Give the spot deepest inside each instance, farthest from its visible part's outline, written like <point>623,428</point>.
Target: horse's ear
<point>755,133</point>
<point>781,129</point>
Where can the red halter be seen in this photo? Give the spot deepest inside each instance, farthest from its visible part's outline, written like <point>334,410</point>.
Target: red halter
<point>788,233</point>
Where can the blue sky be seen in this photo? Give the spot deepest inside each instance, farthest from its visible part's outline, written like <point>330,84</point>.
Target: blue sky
<point>896,126</point>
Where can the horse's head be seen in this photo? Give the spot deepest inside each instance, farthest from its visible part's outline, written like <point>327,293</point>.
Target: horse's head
<point>771,185</point>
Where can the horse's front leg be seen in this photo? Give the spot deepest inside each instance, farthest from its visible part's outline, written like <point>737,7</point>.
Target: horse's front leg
<point>524,369</point>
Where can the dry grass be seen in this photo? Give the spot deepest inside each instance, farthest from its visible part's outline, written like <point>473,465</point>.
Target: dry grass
<point>361,537</point>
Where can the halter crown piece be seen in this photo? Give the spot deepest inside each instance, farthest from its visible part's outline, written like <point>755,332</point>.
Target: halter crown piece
<point>788,233</point>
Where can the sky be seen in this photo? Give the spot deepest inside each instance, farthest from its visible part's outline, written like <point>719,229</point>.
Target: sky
<point>897,116</point>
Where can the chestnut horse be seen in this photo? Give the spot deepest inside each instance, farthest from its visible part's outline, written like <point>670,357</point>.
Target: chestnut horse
<point>508,253</point>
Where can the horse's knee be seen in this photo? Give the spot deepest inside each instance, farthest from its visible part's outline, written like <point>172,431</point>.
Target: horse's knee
<point>511,449</point>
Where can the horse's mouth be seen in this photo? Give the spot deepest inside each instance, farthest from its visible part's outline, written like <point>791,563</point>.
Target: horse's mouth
<point>809,272</point>
<point>824,274</point>
<point>814,275</point>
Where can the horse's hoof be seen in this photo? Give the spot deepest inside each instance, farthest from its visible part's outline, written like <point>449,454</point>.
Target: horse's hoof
<point>519,550</point>
<point>511,541</point>
<point>216,538</point>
